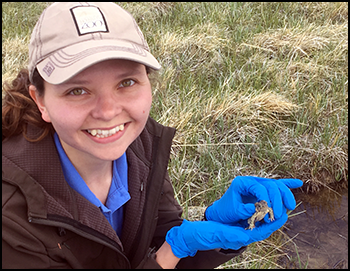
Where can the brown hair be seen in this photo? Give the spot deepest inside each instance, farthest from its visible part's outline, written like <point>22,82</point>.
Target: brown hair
<point>19,109</point>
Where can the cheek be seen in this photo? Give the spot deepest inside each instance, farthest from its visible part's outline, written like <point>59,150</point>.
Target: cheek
<point>140,111</point>
<point>143,105</point>
<point>148,106</point>
<point>63,118</point>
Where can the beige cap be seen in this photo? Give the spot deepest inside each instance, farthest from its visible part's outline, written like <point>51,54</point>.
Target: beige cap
<point>70,37</point>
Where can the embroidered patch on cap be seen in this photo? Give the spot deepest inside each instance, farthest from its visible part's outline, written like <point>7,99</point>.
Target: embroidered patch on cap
<point>89,20</point>
<point>49,68</point>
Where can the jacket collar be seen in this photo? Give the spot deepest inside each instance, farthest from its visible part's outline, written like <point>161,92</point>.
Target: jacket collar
<point>35,169</point>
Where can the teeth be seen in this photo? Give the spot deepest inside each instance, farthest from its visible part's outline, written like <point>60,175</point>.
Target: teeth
<point>106,133</point>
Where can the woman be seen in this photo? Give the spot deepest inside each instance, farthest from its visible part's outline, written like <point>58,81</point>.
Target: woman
<point>85,181</point>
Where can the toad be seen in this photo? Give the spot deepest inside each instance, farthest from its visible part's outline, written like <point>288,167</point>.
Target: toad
<point>261,209</point>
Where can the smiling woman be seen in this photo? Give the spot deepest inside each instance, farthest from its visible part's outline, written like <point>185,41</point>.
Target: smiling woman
<point>102,105</point>
<point>93,190</point>
<point>85,101</point>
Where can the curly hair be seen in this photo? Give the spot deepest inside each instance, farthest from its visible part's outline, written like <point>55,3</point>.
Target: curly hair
<point>19,109</point>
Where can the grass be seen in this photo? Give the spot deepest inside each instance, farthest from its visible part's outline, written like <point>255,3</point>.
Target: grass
<point>252,89</point>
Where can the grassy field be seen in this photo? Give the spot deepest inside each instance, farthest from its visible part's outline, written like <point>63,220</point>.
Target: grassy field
<point>252,88</point>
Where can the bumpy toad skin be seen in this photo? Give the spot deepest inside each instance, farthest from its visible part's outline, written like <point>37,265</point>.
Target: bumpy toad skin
<point>261,209</point>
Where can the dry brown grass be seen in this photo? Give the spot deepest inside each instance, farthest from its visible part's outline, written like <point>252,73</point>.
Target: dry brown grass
<point>303,42</point>
<point>14,57</point>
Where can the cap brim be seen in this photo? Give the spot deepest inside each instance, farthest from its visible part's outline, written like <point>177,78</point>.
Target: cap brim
<point>66,63</point>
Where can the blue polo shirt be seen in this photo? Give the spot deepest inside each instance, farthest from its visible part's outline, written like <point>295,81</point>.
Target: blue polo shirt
<point>118,193</point>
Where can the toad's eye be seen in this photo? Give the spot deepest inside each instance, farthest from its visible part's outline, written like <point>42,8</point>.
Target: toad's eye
<point>77,92</point>
<point>127,83</point>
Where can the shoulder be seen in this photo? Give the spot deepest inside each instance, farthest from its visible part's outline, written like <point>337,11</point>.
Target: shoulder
<point>157,129</point>
<point>30,168</point>
<point>23,152</point>
<point>32,157</point>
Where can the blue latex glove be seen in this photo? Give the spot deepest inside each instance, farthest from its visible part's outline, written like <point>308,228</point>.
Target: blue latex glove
<point>237,203</point>
<point>186,239</point>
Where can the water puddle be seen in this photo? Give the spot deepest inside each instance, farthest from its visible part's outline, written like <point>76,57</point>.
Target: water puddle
<point>319,232</point>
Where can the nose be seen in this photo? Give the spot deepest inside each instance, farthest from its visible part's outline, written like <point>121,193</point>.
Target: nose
<point>106,107</point>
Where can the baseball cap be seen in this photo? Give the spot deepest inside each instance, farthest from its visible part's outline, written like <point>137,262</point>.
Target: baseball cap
<point>69,37</point>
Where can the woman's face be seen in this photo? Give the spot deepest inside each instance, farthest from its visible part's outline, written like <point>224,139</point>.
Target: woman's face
<point>99,112</point>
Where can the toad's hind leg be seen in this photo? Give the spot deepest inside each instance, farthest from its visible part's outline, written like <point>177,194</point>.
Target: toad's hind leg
<point>272,217</point>
<point>251,222</point>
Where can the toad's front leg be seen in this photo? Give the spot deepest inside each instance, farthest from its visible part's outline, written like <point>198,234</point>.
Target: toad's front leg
<point>272,217</point>
<point>251,222</point>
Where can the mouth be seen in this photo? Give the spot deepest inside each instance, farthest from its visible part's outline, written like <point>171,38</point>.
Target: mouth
<point>101,133</point>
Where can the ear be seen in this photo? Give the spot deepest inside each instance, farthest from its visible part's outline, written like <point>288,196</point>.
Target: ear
<point>39,100</point>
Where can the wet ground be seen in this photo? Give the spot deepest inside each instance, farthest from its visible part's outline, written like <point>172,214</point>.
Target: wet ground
<point>319,232</point>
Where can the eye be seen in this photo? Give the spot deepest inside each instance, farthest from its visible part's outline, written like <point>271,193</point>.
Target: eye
<point>77,92</point>
<point>127,83</point>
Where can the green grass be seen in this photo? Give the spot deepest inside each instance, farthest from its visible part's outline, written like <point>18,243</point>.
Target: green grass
<point>252,89</point>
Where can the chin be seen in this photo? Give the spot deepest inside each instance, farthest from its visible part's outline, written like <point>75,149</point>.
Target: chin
<point>110,156</point>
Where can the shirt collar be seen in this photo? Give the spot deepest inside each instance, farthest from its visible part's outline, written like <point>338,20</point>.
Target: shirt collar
<point>118,193</point>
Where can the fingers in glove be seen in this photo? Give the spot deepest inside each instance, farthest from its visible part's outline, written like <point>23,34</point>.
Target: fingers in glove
<point>292,183</point>
<point>287,196</point>
<point>249,186</point>
<point>245,210</point>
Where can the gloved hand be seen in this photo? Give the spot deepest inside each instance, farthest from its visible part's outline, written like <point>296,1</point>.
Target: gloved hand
<point>238,201</point>
<point>186,239</point>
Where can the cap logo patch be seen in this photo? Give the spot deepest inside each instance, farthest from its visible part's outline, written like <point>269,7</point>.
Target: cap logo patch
<point>49,68</point>
<point>88,19</point>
